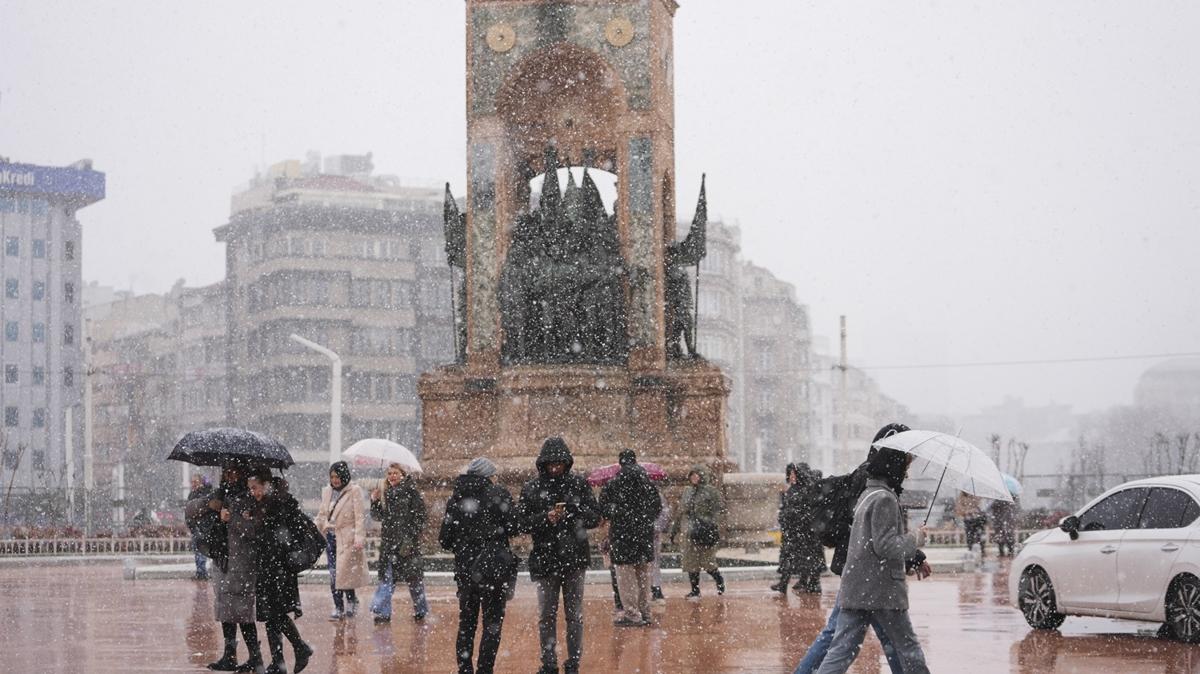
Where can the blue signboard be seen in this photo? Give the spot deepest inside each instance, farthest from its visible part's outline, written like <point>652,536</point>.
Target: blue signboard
<point>81,185</point>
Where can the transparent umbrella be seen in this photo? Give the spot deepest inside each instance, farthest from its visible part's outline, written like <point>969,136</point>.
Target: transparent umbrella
<point>950,458</point>
<point>379,452</point>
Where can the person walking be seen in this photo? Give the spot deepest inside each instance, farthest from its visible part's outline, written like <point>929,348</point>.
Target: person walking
<point>341,519</point>
<point>833,523</point>
<point>277,518</point>
<point>479,520</point>
<point>630,503</point>
<point>201,491</point>
<point>232,540</point>
<point>557,508</point>
<point>800,552</point>
<point>400,510</point>
<point>969,509</point>
<point>699,521</point>
<point>1004,525</point>
<point>873,589</point>
<point>662,525</point>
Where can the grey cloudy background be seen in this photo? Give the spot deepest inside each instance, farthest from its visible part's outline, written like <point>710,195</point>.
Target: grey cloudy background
<point>968,181</point>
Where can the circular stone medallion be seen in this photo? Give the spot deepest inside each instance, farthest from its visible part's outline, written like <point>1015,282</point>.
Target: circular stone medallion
<point>619,32</point>
<point>501,37</point>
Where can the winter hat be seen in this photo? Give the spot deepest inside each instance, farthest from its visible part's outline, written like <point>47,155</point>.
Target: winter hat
<point>342,470</point>
<point>627,457</point>
<point>481,466</point>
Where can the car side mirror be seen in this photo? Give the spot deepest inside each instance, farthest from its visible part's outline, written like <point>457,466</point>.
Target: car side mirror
<point>1070,525</point>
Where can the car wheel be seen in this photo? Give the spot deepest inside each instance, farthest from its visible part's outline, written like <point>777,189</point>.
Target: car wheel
<point>1183,609</point>
<point>1035,595</point>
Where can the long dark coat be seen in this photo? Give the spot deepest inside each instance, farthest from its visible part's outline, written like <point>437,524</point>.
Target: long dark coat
<point>558,549</point>
<point>234,581</point>
<point>800,552</point>
<point>275,591</point>
<point>402,515</point>
<point>479,515</point>
<point>631,504</point>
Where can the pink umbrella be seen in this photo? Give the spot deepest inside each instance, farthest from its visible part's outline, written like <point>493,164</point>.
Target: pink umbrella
<point>603,474</point>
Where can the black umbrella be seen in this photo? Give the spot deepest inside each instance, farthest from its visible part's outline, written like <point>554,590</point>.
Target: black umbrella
<point>226,446</point>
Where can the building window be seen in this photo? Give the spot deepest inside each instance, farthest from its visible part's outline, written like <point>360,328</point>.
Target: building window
<point>12,331</point>
<point>39,417</point>
<point>39,375</point>
<point>39,248</point>
<point>10,459</point>
<point>39,290</point>
<point>38,458</point>
<point>11,375</point>
<point>12,416</point>
<point>12,288</point>
<point>69,251</point>
<point>39,332</point>
<point>12,246</point>
<point>68,334</point>
<point>69,292</point>
<point>68,376</point>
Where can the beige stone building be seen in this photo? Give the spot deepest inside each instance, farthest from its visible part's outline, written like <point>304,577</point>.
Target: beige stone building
<point>351,261</point>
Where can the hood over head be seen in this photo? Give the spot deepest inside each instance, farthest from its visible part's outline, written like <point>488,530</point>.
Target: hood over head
<point>555,450</point>
<point>342,470</point>
<point>703,471</point>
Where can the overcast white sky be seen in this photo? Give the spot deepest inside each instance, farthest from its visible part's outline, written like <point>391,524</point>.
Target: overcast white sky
<point>967,181</point>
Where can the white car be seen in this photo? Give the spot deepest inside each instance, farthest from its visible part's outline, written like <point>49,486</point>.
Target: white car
<point>1133,553</point>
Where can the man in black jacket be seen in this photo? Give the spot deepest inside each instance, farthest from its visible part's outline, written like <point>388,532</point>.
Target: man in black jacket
<point>557,508</point>
<point>479,520</point>
<point>631,504</point>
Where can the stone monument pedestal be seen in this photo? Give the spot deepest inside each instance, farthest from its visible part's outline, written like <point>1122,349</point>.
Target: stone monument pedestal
<point>673,417</point>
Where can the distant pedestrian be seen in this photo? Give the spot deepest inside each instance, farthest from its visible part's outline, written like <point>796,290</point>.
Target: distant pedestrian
<point>874,591</point>
<point>231,540</point>
<point>662,526</point>
<point>342,521</point>
<point>1004,525</point>
<point>698,520</point>
<point>557,508</point>
<point>833,524</point>
<point>479,520</point>
<point>201,490</point>
<point>399,508</point>
<point>800,551</point>
<point>278,521</point>
<point>630,503</point>
<point>969,509</point>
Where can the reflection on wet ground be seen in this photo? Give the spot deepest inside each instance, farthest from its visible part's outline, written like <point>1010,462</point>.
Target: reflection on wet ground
<point>87,619</point>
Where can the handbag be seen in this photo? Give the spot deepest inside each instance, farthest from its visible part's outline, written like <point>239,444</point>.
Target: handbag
<point>704,533</point>
<point>306,544</point>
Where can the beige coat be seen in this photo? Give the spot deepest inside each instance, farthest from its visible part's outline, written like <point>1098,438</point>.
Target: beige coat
<point>349,526</point>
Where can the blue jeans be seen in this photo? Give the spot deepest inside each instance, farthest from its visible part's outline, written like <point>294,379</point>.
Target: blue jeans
<point>201,560</point>
<point>381,604</point>
<point>811,661</point>
<point>331,557</point>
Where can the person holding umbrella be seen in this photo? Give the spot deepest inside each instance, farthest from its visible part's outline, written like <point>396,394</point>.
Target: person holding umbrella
<point>630,503</point>
<point>341,518</point>
<point>400,510</point>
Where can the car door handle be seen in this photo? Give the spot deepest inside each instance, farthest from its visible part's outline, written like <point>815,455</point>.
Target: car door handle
<point>1108,549</point>
<point>1170,547</point>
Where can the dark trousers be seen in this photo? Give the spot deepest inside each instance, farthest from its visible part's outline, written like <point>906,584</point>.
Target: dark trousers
<point>331,556</point>
<point>570,587</point>
<point>975,527</point>
<point>473,600</point>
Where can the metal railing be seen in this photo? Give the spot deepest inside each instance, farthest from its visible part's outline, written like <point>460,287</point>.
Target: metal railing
<point>950,538</point>
<point>66,547</point>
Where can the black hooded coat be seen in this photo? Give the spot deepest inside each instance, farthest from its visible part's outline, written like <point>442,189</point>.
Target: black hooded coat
<point>630,503</point>
<point>479,519</point>
<point>558,549</point>
<point>280,519</point>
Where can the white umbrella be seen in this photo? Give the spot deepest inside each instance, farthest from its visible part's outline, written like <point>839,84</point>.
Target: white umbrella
<point>947,456</point>
<point>376,451</point>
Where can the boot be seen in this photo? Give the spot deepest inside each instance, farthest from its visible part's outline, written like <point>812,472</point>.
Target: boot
<point>656,594</point>
<point>253,663</point>
<point>303,652</point>
<point>716,575</point>
<point>781,586</point>
<point>228,660</point>
<point>275,643</point>
<point>694,579</point>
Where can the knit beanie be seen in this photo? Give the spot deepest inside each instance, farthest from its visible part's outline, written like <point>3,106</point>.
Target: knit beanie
<point>482,467</point>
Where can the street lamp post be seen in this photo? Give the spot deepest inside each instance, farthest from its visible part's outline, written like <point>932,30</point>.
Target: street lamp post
<point>335,396</point>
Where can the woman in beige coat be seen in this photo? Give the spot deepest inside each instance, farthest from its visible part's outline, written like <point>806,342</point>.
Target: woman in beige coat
<point>341,518</point>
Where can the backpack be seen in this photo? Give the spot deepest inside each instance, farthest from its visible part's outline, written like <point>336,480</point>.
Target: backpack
<point>306,545</point>
<point>834,512</point>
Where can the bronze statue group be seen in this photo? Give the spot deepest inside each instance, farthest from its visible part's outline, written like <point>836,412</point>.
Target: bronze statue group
<point>259,540</point>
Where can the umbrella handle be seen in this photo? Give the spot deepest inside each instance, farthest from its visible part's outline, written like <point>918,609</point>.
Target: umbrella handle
<point>935,493</point>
